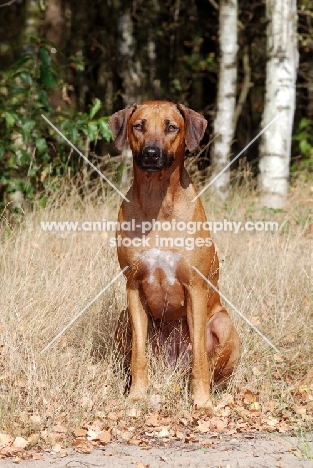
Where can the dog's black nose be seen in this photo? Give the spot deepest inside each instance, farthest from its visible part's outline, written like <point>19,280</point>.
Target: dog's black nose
<point>151,154</point>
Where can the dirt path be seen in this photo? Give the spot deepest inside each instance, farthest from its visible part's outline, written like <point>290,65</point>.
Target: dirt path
<point>257,451</point>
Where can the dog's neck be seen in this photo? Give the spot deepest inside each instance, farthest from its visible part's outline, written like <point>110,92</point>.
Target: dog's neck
<point>155,191</point>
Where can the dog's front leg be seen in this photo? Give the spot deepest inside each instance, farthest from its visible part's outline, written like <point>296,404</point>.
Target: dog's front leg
<point>197,323</point>
<point>139,328</point>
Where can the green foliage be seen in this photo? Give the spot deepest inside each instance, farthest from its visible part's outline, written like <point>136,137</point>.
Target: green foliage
<point>31,153</point>
<point>304,139</point>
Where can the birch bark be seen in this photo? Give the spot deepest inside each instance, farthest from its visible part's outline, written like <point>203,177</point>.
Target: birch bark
<point>226,98</point>
<point>281,74</point>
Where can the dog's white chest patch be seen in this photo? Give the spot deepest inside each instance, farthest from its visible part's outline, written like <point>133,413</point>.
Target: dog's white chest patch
<point>167,261</point>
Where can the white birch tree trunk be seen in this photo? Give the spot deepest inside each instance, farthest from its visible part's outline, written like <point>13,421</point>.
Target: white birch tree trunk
<point>129,65</point>
<point>281,74</point>
<point>226,98</point>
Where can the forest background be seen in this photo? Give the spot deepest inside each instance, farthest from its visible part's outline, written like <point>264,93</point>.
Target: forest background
<point>77,63</point>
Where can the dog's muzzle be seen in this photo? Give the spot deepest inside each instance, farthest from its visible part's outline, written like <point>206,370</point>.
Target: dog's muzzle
<point>152,159</point>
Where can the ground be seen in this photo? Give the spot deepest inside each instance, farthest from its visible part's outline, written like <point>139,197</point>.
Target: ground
<point>248,451</point>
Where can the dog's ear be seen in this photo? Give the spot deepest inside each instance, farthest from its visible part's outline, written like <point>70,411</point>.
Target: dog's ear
<point>195,125</point>
<point>118,125</point>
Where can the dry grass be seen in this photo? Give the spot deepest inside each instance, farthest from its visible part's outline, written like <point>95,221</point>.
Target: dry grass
<point>47,278</point>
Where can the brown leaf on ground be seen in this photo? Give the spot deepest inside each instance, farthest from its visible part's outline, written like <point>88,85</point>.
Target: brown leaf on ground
<point>204,426</point>
<point>5,439</point>
<point>218,424</point>
<point>79,432</point>
<point>10,451</point>
<point>206,443</point>
<point>97,425</point>
<point>36,456</point>
<point>249,397</point>
<point>60,429</point>
<point>104,437</point>
<point>153,420</point>
<point>82,446</point>
<point>126,435</point>
<point>134,442</point>
<point>180,435</point>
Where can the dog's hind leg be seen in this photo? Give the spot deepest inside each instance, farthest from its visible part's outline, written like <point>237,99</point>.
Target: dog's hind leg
<point>223,345</point>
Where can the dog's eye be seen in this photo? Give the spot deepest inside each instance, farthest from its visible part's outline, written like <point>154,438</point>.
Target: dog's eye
<point>138,127</point>
<point>172,128</point>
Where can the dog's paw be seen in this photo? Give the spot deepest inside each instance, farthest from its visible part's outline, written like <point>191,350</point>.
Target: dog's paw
<point>137,394</point>
<point>203,402</point>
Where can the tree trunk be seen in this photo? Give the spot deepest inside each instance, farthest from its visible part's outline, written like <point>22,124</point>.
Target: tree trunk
<point>129,66</point>
<point>53,27</point>
<point>226,96</point>
<point>281,73</point>
<point>32,22</point>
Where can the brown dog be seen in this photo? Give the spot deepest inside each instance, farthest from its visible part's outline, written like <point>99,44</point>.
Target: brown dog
<point>167,299</point>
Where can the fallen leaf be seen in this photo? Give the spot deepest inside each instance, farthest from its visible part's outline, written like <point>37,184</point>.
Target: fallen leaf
<point>153,420</point>
<point>79,432</point>
<point>10,451</point>
<point>36,456</point>
<point>82,446</point>
<point>206,443</point>
<point>272,421</point>
<point>33,439</point>
<point>92,435</point>
<point>255,406</point>
<point>134,442</point>
<point>163,432</point>
<point>218,424</point>
<point>97,425</point>
<point>104,437</point>
<point>204,426</point>
<point>5,439</point>
<point>20,442</point>
<point>249,397</point>
<point>57,448</point>
<point>126,436</point>
<point>60,429</point>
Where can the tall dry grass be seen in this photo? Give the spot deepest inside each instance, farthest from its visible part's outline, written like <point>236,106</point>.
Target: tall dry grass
<point>46,278</point>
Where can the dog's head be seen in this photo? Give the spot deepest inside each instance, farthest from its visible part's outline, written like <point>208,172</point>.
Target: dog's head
<point>158,132</point>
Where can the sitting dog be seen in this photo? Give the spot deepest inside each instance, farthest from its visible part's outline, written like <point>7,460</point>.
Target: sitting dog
<point>164,291</point>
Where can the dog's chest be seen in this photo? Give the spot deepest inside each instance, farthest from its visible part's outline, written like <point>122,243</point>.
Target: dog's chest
<point>166,261</point>
<point>161,285</point>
